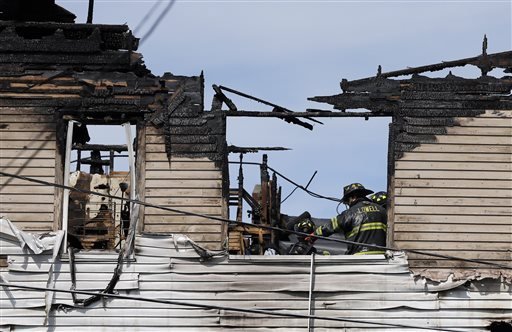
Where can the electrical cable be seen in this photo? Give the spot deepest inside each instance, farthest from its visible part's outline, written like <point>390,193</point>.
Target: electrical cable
<point>146,17</point>
<point>294,189</point>
<point>209,306</point>
<point>158,20</point>
<point>305,189</point>
<point>272,228</point>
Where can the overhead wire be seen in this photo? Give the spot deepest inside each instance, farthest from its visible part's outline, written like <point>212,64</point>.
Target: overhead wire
<point>294,189</point>
<point>147,16</point>
<point>305,189</point>
<point>218,307</point>
<point>267,227</point>
<point>157,22</point>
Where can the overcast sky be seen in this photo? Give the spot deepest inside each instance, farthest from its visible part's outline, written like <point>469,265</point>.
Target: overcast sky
<point>287,51</point>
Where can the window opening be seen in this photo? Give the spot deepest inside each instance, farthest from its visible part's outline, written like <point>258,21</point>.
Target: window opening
<point>99,158</point>
<point>263,205</point>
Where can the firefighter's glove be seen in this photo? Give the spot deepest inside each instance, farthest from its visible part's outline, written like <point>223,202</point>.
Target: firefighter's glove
<point>311,238</point>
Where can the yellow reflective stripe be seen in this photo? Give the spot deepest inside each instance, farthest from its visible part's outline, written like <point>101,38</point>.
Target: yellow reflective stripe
<point>334,222</point>
<point>375,252</point>
<point>374,225</point>
<point>353,232</point>
<point>367,227</point>
<point>318,231</point>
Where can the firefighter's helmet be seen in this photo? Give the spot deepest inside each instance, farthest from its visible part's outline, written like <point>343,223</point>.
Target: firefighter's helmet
<point>380,198</point>
<point>305,226</point>
<point>355,188</point>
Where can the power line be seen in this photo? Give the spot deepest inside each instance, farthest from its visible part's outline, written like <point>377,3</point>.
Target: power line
<point>305,189</point>
<point>272,228</point>
<point>147,16</point>
<point>158,20</point>
<point>227,308</point>
<point>294,189</point>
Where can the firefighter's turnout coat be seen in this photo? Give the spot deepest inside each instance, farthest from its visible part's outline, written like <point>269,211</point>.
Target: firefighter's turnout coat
<point>363,222</point>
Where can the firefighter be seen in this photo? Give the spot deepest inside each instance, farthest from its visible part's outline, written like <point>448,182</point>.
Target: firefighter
<point>364,221</point>
<point>304,246</point>
<point>380,198</point>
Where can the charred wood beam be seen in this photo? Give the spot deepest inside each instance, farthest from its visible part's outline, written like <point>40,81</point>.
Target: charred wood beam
<point>310,113</point>
<point>486,62</point>
<point>219,95</point>
<point>240,149</point>
<point>88,161</point>
<point>277,108</point>
<point>254,204</point>
<point>294,120</point>
<point>112,28</point>
<point>100,147</point>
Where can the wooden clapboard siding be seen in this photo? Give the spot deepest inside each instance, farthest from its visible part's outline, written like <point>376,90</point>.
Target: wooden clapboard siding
<point>28,148</point>
<point>183,183</point>
<point>453,195</point>
<point>366,288</point>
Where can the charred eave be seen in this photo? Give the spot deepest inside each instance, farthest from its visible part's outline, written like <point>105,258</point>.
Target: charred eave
<point>381,93</point>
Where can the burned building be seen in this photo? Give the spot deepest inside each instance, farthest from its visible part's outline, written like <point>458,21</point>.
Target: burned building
<point>84,246</point>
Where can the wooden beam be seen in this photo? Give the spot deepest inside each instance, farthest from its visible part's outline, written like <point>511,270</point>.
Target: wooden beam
<point>307,114</point>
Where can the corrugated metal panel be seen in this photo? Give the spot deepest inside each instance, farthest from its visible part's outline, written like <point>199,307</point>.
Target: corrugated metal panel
<point>363,288</point>
<point>453,195</point>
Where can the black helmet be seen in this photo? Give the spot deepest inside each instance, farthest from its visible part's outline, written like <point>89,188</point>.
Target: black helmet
<point>305,226</point>
<point>355,188</point>
<point>380,198</point>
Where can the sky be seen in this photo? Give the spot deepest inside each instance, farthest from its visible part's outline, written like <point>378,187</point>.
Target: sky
<point>287,51</point>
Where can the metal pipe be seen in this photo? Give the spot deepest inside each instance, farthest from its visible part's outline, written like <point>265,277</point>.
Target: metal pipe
<point>133,189</point>
<point>310,305</point>
<point>65,196</point>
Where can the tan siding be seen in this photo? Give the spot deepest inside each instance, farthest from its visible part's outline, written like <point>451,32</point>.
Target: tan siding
<point>27,148</point>
<point>182,183</point>
<point>449,165</point>
<point>466,156</point>
<point>462,192</point>
<point>453,174</point>
<point>454,201</point>
<point>482,211</point>
<point>454,196</point>
<point>452,219</point>
<point>449,183</point>
<point>480,139</point>
<point>456,228</point>
<point>474,148</point>
<point>451,247</point>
